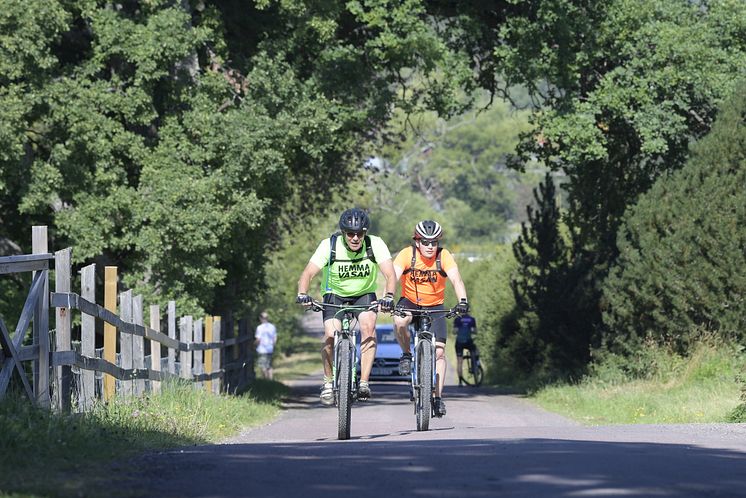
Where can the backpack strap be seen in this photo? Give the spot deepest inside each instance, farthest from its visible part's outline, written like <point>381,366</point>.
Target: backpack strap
<point>333,248</point>
<point>332,257</point>
<point>414,260</point>
<point>369,250</point>
<point>438,266</point>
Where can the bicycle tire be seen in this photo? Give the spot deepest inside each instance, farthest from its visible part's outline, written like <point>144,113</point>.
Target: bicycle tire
<point>344,385</point>
<point>472,376</point>
<point>424,394</point>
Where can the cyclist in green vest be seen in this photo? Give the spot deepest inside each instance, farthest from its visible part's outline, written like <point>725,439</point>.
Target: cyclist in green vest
<point>350,261</point>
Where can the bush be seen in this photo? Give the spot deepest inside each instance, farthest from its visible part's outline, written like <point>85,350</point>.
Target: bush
<point>488,287</point>
<point>682,262</point>
<point>739,414</point>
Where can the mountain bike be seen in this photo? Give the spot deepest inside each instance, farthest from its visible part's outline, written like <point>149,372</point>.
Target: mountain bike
<point>344,363</point>
<point>424,377</point>
<point>473,373</point>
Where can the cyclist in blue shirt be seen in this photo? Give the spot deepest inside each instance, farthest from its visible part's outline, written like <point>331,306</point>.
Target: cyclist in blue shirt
<point>465,327</point>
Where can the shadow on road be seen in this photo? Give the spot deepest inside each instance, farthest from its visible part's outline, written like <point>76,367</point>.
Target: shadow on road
<point>305,393</point>
<point>451,468</point>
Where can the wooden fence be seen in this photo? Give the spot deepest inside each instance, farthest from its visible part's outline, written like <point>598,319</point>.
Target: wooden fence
<point>69,373</point>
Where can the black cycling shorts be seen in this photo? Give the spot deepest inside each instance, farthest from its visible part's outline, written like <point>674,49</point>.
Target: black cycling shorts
<point>363,300</point>
<point>460,346</point>
<point>438,324</point>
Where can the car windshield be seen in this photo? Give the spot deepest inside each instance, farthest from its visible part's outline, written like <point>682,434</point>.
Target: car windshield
<point>386,336</point>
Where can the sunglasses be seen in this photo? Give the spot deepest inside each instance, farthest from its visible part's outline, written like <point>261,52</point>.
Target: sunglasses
<point>351,235</point>
<point>428,242</point>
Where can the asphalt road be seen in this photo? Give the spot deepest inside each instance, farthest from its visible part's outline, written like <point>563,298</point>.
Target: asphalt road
<point>487,445</point>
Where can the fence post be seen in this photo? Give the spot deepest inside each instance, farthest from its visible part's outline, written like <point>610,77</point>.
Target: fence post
<point>62,325</point>
<point>87,338</point>
<point>229,354</point>
<point>125,340</point>
<point>185,357</point>
<point>39,245</point>
<point>197,355</point>
<point>110,331</point>
<point>216,353</point>
<point>138,345</point>
<point>208,352</point>
<point>155,346</point>
<point>172,334</point>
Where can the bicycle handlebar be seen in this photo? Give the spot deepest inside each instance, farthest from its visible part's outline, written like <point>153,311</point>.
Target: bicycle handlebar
<point>319,306</point>
<point>401,311</point>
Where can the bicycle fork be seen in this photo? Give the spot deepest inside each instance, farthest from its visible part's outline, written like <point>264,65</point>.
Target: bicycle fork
<point>416,383</point>
<point>335,362</point>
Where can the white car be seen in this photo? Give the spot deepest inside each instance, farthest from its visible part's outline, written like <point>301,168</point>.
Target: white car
<point>388,352</point>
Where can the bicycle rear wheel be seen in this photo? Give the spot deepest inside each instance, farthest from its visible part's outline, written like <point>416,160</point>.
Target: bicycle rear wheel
<point>344,384</point>
<point>473,374</point>
<point>424,392</point>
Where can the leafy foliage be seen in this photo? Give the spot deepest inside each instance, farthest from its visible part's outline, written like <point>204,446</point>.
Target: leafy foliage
<point>623,87</point>
<point>542,339</point>
<point>183,141</point>
<point>163,136</point>
<point>683,247</point>
<point>454,171</point>
<point>488,284</point>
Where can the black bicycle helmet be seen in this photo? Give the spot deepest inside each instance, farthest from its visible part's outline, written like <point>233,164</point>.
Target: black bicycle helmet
<point>354,220</point>
<point>428,229</point>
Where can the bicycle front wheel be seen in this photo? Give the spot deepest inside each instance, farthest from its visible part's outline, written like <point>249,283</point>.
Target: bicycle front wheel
<point>424,391</point>
<point>473,372</point>
<point>344,384</point>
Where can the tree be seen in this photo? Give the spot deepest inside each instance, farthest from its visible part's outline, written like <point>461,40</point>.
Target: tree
<point>165,136</point>
<point>682,265</point>
<point>542,338</point>
<point>623,87</point>
<point>457,169</point>
<point>630,84</point>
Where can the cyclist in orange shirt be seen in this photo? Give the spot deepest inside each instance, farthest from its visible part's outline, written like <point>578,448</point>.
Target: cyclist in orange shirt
<point>422,271</point>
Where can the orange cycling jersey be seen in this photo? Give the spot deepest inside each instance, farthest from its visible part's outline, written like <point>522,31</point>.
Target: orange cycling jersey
<point>423,285</point>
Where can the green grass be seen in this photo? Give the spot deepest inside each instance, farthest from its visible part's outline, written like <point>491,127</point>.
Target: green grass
<point>48,454</point>
<point>701,388</point>
<point>306,359</point>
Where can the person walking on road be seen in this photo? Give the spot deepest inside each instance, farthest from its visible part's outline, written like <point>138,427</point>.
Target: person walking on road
<point>423,269</point>
<point>265,339</point>
<point>351,260</point>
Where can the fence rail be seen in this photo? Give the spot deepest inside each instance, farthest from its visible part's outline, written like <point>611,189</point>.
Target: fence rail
<point>210,354</point>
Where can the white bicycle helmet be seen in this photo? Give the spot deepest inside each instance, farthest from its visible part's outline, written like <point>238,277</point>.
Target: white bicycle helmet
<point>428,229</point>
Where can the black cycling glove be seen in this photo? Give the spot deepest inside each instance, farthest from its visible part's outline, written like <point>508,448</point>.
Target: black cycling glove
<point>303,299</point>
<point>387,302</point>
<point>462,306</point>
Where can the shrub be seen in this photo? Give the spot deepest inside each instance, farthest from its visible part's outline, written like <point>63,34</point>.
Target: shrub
<point>488,286</point>
<point>682,262</point>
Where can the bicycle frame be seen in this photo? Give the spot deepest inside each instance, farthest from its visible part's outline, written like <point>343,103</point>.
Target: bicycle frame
<point>344,375</point>
<point>422,333</point>
<point>346,332</point>
<point>472,373</point>
<point>422,320</point>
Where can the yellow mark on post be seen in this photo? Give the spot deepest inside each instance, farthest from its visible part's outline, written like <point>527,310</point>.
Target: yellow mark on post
<point>110,331</point>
